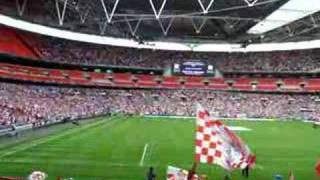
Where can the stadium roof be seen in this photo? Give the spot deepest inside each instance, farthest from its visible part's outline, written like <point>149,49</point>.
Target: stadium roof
<point>286,14</point>
<point>199,25</point>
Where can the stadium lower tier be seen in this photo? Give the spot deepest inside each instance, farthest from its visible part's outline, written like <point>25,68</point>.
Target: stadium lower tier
<point>27,104</point>
<point>127,80</point>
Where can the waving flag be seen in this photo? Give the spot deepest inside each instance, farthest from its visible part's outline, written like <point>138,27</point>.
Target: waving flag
<point>216,144</point>
<point>174,173</point>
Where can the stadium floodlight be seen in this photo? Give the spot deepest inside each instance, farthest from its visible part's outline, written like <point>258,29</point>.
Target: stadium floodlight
<point>291,11</point>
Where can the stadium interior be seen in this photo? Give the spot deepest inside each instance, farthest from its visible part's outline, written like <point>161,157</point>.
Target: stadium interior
<point>114,89</point>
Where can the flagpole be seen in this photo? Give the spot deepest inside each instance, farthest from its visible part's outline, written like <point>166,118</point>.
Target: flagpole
<point>195,163</point>
<point>192,171</point>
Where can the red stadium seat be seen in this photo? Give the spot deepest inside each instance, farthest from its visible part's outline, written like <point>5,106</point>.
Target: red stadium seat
<point>266,84</point>
<point>194,82</point>
<point>123,79</point>
<point>171,82</point>
<point>242,84</point>
<point>146,81</point>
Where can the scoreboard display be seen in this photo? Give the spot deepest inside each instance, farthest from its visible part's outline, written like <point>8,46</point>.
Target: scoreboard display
<point>193,68</point>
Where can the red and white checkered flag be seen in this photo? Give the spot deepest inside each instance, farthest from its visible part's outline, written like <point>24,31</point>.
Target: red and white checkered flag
<point>216,144</point>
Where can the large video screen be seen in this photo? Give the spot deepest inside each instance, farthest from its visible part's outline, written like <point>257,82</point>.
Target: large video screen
<point>193,68</point>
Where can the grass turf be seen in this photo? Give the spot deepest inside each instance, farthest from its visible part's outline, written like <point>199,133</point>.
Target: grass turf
<point>111,148</point>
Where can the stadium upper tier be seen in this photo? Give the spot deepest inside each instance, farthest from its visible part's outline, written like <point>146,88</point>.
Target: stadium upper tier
<point>58,50</point>
<point>26,104</point>
<point>55,50</point>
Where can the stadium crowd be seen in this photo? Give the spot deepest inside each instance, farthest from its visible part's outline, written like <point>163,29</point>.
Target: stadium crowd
<point>57,50</point>
<point>23,104</point>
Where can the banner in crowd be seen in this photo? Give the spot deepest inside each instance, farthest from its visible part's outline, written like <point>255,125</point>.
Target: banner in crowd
<point>175,173</point>
<point>216,144</point>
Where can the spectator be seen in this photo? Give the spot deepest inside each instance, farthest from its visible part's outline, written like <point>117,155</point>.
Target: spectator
<point>30,104</point>
<point>57,50</point>
<point>318,168</point>
<point>151,175</point>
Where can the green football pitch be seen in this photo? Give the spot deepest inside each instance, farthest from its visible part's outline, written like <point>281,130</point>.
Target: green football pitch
<point>124,147</point>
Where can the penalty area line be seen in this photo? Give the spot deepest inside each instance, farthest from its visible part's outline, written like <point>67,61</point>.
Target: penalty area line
<point>144,154</point>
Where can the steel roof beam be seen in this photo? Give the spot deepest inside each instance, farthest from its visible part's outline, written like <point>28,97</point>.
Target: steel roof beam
<point>198,28</point>
<point>205,10</point>
<point>134,30</point>
<point>166,30</point>
<point>60,14</point>
<point>157,14</point>
<point>109,16</point>
<point>21,6</point>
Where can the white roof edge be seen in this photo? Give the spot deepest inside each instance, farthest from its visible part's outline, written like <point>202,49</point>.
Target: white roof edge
<point>291,11</point>
<point>172,46</point>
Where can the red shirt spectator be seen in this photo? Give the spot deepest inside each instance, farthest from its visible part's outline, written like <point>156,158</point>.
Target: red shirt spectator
<point>318,168</point>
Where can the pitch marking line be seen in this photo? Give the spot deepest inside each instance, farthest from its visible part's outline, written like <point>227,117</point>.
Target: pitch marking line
<point>259,166</point>
<point>144,154</point>
<point>53,137</point>
<point>238,128</point>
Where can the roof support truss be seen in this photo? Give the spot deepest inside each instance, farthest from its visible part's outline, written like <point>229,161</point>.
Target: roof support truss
<point>61,14</point>
<point>159,12</point>
<point>83,15</point>
<point>21,6</point>
<point>103,27</point>
<point>205,9</point>
<point>199,26</point>
<point>165,30</point>
<point>251,2</point>
<point>109,16</point>
<point>133,30</point>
